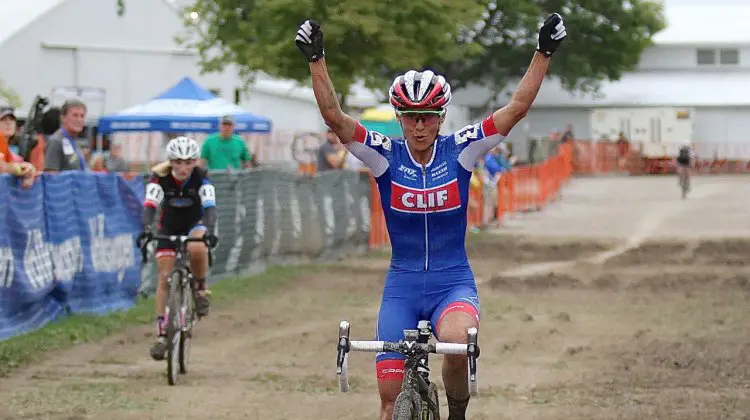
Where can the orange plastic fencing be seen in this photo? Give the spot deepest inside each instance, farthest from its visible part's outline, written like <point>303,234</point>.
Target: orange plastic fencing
<point>378,230</point>
<point>476,201</point>
<point>593,158</point>
<point>532,187</point>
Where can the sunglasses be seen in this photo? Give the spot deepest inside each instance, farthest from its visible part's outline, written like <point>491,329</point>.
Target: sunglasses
<point>427,117</point>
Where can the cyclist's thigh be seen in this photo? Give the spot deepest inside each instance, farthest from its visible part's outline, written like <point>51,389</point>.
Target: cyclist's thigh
<point>399,311</point>
<point>165,248</point>
<point>460,297</point>
<point>197,230</point>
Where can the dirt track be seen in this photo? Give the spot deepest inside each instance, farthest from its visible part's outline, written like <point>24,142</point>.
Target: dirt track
<point>628,327</point>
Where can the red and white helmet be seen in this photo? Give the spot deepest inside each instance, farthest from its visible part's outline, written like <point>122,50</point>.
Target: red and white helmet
<point>420,90</point>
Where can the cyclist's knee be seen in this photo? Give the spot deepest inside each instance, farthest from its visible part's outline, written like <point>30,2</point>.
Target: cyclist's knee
<point>197,249</point>
<point>455,321</point>
<point>390,376</point>
<point>165,263</point>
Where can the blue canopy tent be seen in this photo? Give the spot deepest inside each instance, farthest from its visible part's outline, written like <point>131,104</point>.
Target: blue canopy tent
<point>184,108</point>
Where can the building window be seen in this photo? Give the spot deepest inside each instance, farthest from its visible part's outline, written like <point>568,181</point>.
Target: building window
<point>721,57</point>
<point>216,92</point>
<point>706,57</point>
<point>237,96</point>
<point>729,57</point>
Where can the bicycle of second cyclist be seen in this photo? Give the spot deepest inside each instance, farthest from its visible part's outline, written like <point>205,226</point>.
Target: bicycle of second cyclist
<point>180,310</point>
<point>684,175</point>
<point>418,399</point>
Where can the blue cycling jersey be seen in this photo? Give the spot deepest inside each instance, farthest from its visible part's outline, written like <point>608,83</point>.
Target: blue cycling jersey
<point>425,207</point>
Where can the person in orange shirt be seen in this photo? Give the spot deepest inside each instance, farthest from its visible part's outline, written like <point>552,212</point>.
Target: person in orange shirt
<point>12,164</point>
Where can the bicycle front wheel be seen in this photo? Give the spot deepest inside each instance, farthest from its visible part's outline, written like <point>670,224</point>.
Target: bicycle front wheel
<point>174,326</point>
<point>187,332</point>
<point>408,406</point>
<point>432,393</point>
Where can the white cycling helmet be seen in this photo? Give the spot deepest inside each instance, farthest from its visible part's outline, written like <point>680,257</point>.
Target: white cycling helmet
<point>182,148</point>
<point>419,90</point>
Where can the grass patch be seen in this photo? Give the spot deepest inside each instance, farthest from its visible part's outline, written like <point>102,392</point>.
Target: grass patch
<point>77,329</point>
<point>82,399</point>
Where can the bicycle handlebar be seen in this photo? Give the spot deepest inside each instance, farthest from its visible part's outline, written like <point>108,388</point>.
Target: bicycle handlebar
<point>403,348</point>
<point>408,347</point>
<point>180,240</point>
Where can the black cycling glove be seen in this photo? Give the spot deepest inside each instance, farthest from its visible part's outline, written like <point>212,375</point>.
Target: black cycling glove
<point>309,40</point>
<point>211,239</point>
<point>144,236</point>
<point>551,34</point>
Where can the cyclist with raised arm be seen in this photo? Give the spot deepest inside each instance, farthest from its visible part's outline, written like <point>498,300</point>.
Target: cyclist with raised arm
<point>188,207</point>
<point>423,181</point>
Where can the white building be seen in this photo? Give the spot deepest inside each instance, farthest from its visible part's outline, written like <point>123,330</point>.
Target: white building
<point>63,48</point>
<point>700,61</point>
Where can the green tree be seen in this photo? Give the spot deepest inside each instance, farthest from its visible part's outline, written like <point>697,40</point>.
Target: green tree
<point>9,95</point>
<point>489,41</point>
<point>364,39</point>
<point>606,39</point>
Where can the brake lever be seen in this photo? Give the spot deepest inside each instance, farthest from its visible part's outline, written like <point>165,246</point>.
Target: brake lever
<point>343,346</point>
<point>472,351</point>
<point>144,254</point>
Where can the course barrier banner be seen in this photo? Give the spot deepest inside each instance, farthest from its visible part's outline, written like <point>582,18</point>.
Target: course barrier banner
<point>67,245</point>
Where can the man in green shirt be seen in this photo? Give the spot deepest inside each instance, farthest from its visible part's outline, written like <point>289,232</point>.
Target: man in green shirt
<point>225,150</point>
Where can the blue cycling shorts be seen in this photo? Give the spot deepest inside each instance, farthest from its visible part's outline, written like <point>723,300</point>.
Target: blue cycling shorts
<point>409,297</point>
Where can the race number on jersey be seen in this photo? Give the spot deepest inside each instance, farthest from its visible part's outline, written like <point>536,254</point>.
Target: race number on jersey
<point>207,193</point>
<point>154,194</point>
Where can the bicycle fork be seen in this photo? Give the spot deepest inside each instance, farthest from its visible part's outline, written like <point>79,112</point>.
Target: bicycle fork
<point>422,366</point>
<point>424,335</point>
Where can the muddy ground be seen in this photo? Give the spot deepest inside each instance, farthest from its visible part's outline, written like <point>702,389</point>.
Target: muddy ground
<point>657,331</point>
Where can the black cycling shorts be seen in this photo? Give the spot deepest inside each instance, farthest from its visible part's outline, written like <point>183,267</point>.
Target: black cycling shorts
<point>166,248</point>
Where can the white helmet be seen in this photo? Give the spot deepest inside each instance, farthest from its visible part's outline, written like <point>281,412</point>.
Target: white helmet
<point>182,148</point>
<point>419,90</point>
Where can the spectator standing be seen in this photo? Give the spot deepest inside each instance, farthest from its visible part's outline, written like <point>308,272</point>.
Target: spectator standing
<point>331,154</point>
<point>116,163</point>
<point>623,150</point>
<point>64,148</point>
<point>225,149</point>
<point>11,165</point>
<point>97,163</point>
<point>497,161</point>
<point>9,128</point>
<point>48,125</point>
<point>567,136</point>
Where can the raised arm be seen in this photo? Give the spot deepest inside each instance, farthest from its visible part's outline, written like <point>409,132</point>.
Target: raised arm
<point>330,109</point>
<point>309,40</point>
<point>520,103</point>
<point>551,35</point>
